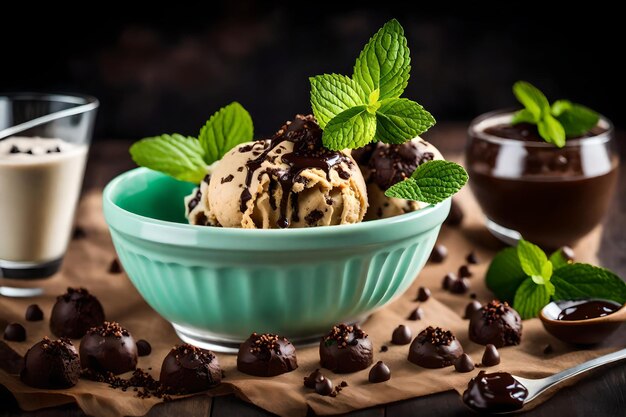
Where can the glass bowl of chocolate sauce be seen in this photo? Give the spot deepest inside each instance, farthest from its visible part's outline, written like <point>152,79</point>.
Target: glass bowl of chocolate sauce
<point>529,188</point>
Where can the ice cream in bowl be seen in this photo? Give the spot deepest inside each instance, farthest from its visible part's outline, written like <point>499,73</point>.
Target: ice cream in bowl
<point>224,235</point>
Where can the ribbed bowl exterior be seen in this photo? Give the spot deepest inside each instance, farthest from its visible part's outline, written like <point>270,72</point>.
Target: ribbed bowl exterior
<point>297,283</point>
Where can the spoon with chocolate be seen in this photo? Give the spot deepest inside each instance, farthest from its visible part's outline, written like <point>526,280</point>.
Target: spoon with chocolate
<point>501,392</point>
<point>582,322</point>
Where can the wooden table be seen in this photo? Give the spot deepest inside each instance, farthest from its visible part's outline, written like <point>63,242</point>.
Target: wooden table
<point>602,393</point>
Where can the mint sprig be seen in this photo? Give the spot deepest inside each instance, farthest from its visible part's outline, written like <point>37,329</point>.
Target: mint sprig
<point>431,182</point>
<point>554,122</point>
<point>526,277</point>
<point>355,111</point>
<point>186,158</point>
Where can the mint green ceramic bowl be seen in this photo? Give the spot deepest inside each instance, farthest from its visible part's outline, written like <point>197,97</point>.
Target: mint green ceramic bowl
<point>217,285</point>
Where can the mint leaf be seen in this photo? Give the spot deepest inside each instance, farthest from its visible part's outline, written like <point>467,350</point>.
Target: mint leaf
<point>226,128</point>
<point>524,116</point>
<point>352,128</point>
<point>431,182</point>
<point>531,98</point>
<point>333,93</point>
<point>576,119</point>
<point>530,298</point>
<point>400,119</point>
<point>175,155</point>
<point>531,258</point>
<point>558,260</point>
<point>551,130</point>
<point>505,274</point>
<point>575,281</point>
<point>384,64</point>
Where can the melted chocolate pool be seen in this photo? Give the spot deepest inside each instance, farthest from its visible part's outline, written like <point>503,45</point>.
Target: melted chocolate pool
<point>495,393</point>
<point>588,309</point>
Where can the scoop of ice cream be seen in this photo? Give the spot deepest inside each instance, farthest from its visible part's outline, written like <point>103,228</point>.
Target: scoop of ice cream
<point>288,181</point>
<point>384,165</point>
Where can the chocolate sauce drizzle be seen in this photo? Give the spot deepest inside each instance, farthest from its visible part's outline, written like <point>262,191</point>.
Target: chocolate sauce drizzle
<point>308,152</point>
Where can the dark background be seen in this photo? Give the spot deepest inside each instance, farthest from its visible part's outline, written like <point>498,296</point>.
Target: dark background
<point>167,70</point>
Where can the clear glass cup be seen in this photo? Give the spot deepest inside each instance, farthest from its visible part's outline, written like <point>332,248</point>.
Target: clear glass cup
<point>44,141</point>
<point>550,196</point>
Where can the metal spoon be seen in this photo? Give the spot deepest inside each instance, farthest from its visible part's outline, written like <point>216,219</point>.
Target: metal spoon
<point>536,387</point>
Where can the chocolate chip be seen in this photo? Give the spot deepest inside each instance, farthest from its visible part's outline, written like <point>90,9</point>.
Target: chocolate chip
<point>416,314</point>
<point>401,335</point>
<point>455,218</point>
<point>227,178</point>
<point>15,332</point>
<point>14,149</point>
<point>464,272</point>
<point>471,309</point>
<point>473,296</point>
<point>423,294</point>
<point>79,233</point>
<point>313,378</point>
<point>464,364</point>
<point>324,386</point>
<point>472,258</point>
<point>548,349</point>
<point>115,267</point>
<point>438,254</point>
<point>143,347</point>
<point>344,384</point>
<point>379,373</point>
<point>384,348</point>
<point>448,280</point>
<point>34,313</point>
<point>460,286</point>
<point>491,357</point>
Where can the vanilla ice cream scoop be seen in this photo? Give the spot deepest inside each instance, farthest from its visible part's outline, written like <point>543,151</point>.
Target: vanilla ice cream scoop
<point>288,181</point>
<point>384,165</point>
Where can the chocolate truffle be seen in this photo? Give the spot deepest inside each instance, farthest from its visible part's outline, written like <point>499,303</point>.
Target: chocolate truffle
<point>15,332</point>
<point>464,364</point>
<point>108,348</point>
<point>346,349</point>
<point>423,294</point>
<point>74,313</point>
<point>266,355</point>
<point>143,347</point>
<point>309,381</point>
<point>51,364</point>
<point>33,313</point>
<point>438,254</point>
<point>496,323</point>
<point>401,335</point>
<point>187,369</point>
<point>379,373</point>
<point>435,348</point>
<point>491,357</point>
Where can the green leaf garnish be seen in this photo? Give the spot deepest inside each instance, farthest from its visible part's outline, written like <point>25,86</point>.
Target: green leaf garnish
<point>381,74</point>
<point>526,277</point>
<point>187,158</point>
<point>181,157</point>
<point>401,118</point>
<point>384,64</point>
<point>505,274</point>
<point>227,128</point>
<point>331,94</point>
<point>530,298</point>
<point>579,280</point>
<point>555,123</point>
<point>576,119</point>
<point>350,126</point>
<point>431,182</point>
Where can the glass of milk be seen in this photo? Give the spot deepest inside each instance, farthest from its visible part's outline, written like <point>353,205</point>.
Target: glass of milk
<point>44,140</point>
